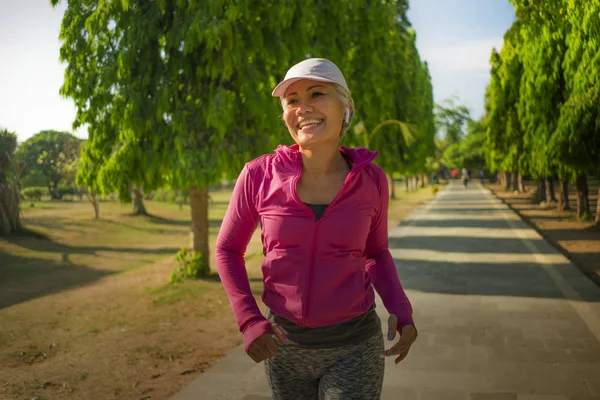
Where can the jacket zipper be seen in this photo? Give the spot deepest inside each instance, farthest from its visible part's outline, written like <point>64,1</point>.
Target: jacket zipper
<point>313,250</point>
<point>313,253</point>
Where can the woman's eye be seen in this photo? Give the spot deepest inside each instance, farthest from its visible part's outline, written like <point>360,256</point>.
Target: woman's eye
<point>316,94</point>
<point>291,102</point>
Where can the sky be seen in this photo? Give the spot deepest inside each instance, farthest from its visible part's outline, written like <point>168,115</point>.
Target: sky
<point>455,37</point>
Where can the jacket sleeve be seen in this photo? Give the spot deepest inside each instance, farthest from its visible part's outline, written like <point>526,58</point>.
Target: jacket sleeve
<point>237,228</point>
<point>380,264</point>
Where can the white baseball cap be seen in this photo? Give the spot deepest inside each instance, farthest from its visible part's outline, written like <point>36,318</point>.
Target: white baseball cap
<point>317,69</point>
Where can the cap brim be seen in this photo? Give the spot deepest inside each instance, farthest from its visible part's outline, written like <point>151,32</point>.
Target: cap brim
<point>283,85</point>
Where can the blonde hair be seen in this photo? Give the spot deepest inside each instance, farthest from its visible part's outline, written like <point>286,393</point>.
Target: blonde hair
<point>345,99</point>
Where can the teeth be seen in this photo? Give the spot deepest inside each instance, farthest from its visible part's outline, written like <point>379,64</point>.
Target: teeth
<point>310,121</point>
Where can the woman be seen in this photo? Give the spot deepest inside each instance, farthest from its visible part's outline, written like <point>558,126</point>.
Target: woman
<point>322,209</point>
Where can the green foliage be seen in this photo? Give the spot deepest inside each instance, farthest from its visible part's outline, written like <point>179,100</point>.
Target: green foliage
<point>34,194</point>
<point>505,131</point>
<point>542,104</point>
<point>67,192</point>
<point>49,153</point>
<point>182,97</point>
<point>577,138</point>
<point>191,265</point>
<point>171,196</point>
<point>34,178</point>
<point>463,144</point>
<point>451,119</point>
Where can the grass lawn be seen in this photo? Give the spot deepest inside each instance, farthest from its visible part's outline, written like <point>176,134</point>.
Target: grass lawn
<point>86,312</point>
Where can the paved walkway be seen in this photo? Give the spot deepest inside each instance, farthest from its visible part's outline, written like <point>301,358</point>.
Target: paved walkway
<point>501,314</point>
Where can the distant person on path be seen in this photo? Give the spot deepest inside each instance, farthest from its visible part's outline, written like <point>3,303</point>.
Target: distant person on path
<point>465,176</point>
<point>322,210</point>
<point>481,176</point>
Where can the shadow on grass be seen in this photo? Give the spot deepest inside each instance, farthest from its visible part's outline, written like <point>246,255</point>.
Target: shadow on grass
<point>26,278</point>
<point>32,240</point>
<point>213,223</point>
<point>54,223</point>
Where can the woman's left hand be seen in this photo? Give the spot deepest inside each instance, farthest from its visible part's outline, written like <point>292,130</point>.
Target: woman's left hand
<point>407,338</point>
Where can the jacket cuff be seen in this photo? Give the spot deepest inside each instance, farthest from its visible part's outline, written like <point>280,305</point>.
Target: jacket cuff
<point>404,318</point>
<point>254,332</point>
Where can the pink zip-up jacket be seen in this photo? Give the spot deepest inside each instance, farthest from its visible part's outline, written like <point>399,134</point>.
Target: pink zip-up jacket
<point>315,272</point>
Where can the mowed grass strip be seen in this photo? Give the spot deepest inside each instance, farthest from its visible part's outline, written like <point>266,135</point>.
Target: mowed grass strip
<point>86,312</point>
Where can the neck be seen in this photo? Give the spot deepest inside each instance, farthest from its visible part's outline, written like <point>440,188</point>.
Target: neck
<point>322,160</point>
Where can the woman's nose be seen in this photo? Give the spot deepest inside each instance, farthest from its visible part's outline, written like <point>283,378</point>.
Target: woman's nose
<point>303,108</point>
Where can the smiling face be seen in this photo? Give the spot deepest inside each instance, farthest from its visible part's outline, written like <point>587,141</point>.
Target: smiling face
<point>313,112</point>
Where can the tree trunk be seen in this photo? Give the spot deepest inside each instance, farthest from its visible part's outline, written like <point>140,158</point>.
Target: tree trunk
<point>563,197</point>
<point>406,184</point>
<point>550,197</point>
<point>199,233</point>
<point>586,195</point>
<point>507,181</point>
<point>10,215</point>
<point>520,183</point>
<point>138,202</point>
<point>180,199</point>
<point>91,196</point>
<point>422,177</point>
<point>53,192</point>
<point>515,181</point>
<point>582,200</point>
<point>542,191</point>
<point>392,187</point>
<point>597,220</point>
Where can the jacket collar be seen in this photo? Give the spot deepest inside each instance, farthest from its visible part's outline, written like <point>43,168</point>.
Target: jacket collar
<point>360,156</point>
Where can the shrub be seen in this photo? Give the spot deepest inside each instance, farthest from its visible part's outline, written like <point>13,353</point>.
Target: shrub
<point>170,196</point>
<point>34,194</point>
<point>67,192</point>
<point>191,265</point>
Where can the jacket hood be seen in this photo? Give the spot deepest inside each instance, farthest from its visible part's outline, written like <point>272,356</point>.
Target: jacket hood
<point>360,156</point>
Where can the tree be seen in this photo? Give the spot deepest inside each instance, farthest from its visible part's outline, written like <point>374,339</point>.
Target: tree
<point>451,119</point>
<point>10,217</point>
<point>551,55</point>
<point>469,152</point>
<point>87,178</point>
<point>47,152</point>
<point>504,126</point>
<point>578,135</point>
<point>543,88</point>
<point>179,97</point>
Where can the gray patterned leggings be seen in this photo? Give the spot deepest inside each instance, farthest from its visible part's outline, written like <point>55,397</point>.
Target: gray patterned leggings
<point>353,372</point>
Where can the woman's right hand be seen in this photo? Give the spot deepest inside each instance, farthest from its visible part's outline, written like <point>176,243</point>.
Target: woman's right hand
<point>266,346</point>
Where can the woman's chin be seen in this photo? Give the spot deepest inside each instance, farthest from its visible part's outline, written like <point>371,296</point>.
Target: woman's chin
<point>313,137</point>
